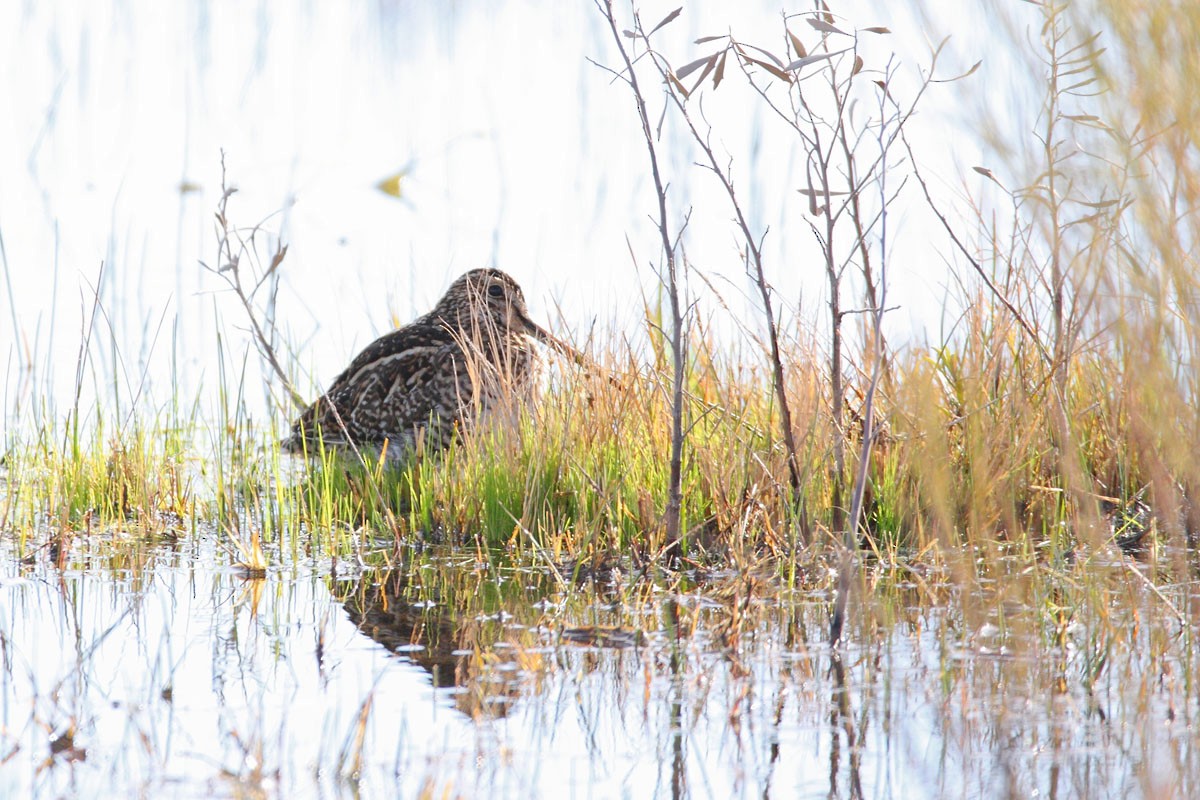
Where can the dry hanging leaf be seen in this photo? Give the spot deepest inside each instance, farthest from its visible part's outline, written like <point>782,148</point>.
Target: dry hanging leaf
<point>692,66</point>
<point>987,173</point>
<point>971,71</point>
<point>804,62</point>
<point>710,62</point>
<point>768,66</point>
<point>720,73</point>
<point>766,53</point>
<point>825,27</point>
<point>682,89</point>
<point>797,45</point>
<point>666,20</point>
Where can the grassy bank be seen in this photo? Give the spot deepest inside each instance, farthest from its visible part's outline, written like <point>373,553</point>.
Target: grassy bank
<point>968,457</point>
<point>1057,413</point>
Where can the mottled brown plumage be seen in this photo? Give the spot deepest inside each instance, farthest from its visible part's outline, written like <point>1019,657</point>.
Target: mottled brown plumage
<point>423,381</point>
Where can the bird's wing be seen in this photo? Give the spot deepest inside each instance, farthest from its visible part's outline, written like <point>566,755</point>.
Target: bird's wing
<point>389,390</point>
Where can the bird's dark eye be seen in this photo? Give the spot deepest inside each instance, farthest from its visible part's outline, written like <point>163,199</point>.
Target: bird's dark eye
<point>496,290</point>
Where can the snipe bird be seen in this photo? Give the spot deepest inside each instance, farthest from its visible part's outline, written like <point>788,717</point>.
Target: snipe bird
<point>422,382</point>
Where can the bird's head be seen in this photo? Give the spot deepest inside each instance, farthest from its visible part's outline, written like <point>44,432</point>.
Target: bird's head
<point>490,302</point>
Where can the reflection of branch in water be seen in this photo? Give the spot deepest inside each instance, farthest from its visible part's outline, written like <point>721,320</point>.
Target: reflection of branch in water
<point>678,668</point>
<point>776,725</point>
<point>840,713</point>
<point>434,637</point>
<point>797,672</point>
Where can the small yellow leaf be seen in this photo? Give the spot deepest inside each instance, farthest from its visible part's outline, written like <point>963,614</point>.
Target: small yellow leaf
<point>393,185</point>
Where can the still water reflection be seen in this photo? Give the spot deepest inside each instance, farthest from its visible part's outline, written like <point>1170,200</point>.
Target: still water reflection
<point>152,670</point>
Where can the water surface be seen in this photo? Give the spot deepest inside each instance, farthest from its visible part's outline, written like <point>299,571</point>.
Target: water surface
<point>152,669</point>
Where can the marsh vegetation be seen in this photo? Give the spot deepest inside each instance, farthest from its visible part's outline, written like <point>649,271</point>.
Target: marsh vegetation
<point>730,554</point>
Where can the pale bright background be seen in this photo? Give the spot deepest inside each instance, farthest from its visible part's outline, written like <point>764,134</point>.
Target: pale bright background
<point>517,152</point>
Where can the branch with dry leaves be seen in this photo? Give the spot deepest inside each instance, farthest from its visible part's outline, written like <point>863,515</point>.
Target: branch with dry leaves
<point>847,164</point>
<point>235,250</point>
<point>753,242</point>
<point>674,532</point>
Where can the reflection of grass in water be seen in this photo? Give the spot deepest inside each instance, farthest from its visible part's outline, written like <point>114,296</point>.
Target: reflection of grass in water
<point>1029,659</point>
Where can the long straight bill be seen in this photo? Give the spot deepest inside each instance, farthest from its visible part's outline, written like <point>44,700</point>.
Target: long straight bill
<point>542,335</point>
